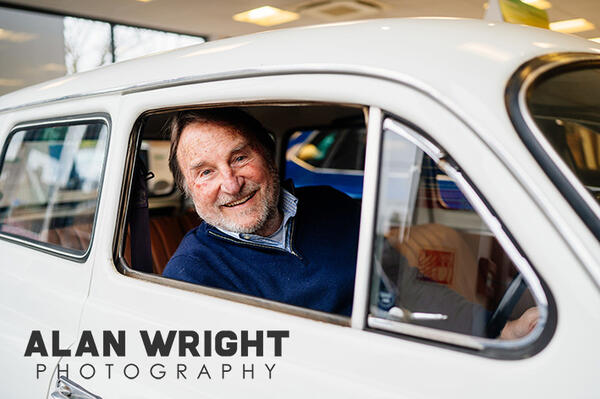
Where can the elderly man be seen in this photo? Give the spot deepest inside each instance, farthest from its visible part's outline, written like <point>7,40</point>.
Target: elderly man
<point>296,247</point>
<point>258,238</point>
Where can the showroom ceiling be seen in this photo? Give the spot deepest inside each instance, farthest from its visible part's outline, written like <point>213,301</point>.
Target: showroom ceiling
<point>214,19</point>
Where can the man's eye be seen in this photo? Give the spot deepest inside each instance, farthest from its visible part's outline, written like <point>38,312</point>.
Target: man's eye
<point>205,172</point>
<point>240,158</point>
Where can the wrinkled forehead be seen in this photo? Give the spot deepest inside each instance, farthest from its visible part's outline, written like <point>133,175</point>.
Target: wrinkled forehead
<point>221,132</point>
<point>203,141</point>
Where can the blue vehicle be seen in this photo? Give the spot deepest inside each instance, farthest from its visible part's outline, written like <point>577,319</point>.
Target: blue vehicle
<point>330,156</point>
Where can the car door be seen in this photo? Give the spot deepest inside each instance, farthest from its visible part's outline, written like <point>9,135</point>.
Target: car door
<point>53,160</point>
<point>307,353</point>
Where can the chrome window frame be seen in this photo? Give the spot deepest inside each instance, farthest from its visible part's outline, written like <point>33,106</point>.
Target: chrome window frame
<point>495,348</point>
<point>49,248</point>
<point>553,165</point>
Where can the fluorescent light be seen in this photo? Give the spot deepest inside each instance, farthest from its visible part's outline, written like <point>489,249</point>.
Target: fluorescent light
<point>595,39</point>
<point>572,25</point>
<point>16,37</point>
<point>266,16</point>
<point>144,1</point>
<point>541,4</point>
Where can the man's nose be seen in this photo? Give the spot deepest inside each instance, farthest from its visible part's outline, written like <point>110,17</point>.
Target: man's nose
<point>231,184</point>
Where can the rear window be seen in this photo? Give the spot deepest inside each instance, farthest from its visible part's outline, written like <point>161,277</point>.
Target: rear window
<point>566,109</point>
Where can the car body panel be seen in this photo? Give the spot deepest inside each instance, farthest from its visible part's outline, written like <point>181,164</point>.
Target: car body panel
<point>408,79</point>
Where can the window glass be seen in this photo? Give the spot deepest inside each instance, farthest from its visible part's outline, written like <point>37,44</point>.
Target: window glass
<point>87,44</point>
<point>566,108</point>
<point>37,46</point>
<point>436,263</point>
<point>49,183</point>
<point>131,42</point>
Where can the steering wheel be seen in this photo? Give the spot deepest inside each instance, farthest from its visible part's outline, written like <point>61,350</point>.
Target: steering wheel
<point>508,302</point>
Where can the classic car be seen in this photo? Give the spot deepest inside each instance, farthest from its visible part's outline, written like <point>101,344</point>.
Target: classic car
<point>481,167</point>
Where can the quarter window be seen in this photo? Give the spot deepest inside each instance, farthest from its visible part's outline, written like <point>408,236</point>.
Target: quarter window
<point>436,264</point>
<point>49,183</point>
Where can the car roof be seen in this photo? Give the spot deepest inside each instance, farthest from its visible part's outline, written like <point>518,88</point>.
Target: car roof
<point>438,55</point>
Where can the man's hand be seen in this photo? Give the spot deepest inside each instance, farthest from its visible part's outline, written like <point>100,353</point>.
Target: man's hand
<point>522,326</point>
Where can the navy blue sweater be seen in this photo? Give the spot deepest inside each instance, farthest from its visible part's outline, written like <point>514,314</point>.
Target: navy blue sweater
<point>318,275</point>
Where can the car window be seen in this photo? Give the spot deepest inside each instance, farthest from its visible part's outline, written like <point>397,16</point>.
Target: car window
<point>50,181</point>
<point>156,225</point>
<point>567,111</point>
<point>436,264</point>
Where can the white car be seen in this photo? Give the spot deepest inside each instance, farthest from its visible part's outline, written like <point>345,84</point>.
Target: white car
<point>481,171</point>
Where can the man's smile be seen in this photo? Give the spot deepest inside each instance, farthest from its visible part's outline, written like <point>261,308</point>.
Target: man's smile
<point>240,201</point>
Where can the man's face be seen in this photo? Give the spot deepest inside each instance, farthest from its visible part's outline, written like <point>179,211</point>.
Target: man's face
<point>230,181</point>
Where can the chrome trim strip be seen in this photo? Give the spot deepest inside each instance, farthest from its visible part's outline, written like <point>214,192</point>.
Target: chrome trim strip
<point>513,253</point>
<point>47,247</point>
<point>496,227</point>
<point>421,142</point>
<point>433,334</point>
<point>367,219</point>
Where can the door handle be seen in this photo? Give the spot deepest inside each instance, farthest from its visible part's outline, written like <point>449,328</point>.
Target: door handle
<point>67,389</point>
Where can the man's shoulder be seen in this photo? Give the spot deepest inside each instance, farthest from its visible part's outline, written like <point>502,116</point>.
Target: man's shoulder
<point>188,253</point>
<point>191,240</point>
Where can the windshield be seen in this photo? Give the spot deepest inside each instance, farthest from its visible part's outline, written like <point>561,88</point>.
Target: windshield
<point>566,108</point>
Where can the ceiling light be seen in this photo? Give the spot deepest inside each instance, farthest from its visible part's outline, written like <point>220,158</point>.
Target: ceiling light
<point>572,25</point>
<point>595,39</point>
<point>541,4</point>
<point>266,16</point>
<point>16,37</point>
<point>144,1</point>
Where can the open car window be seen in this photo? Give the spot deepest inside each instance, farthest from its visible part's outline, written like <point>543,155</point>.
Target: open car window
<point>171,215</point>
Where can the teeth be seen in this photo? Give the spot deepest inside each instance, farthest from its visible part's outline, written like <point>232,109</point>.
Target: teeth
<point>241,201</point>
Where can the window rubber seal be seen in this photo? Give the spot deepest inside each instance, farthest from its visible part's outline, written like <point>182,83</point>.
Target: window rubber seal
<point>521,82</point>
